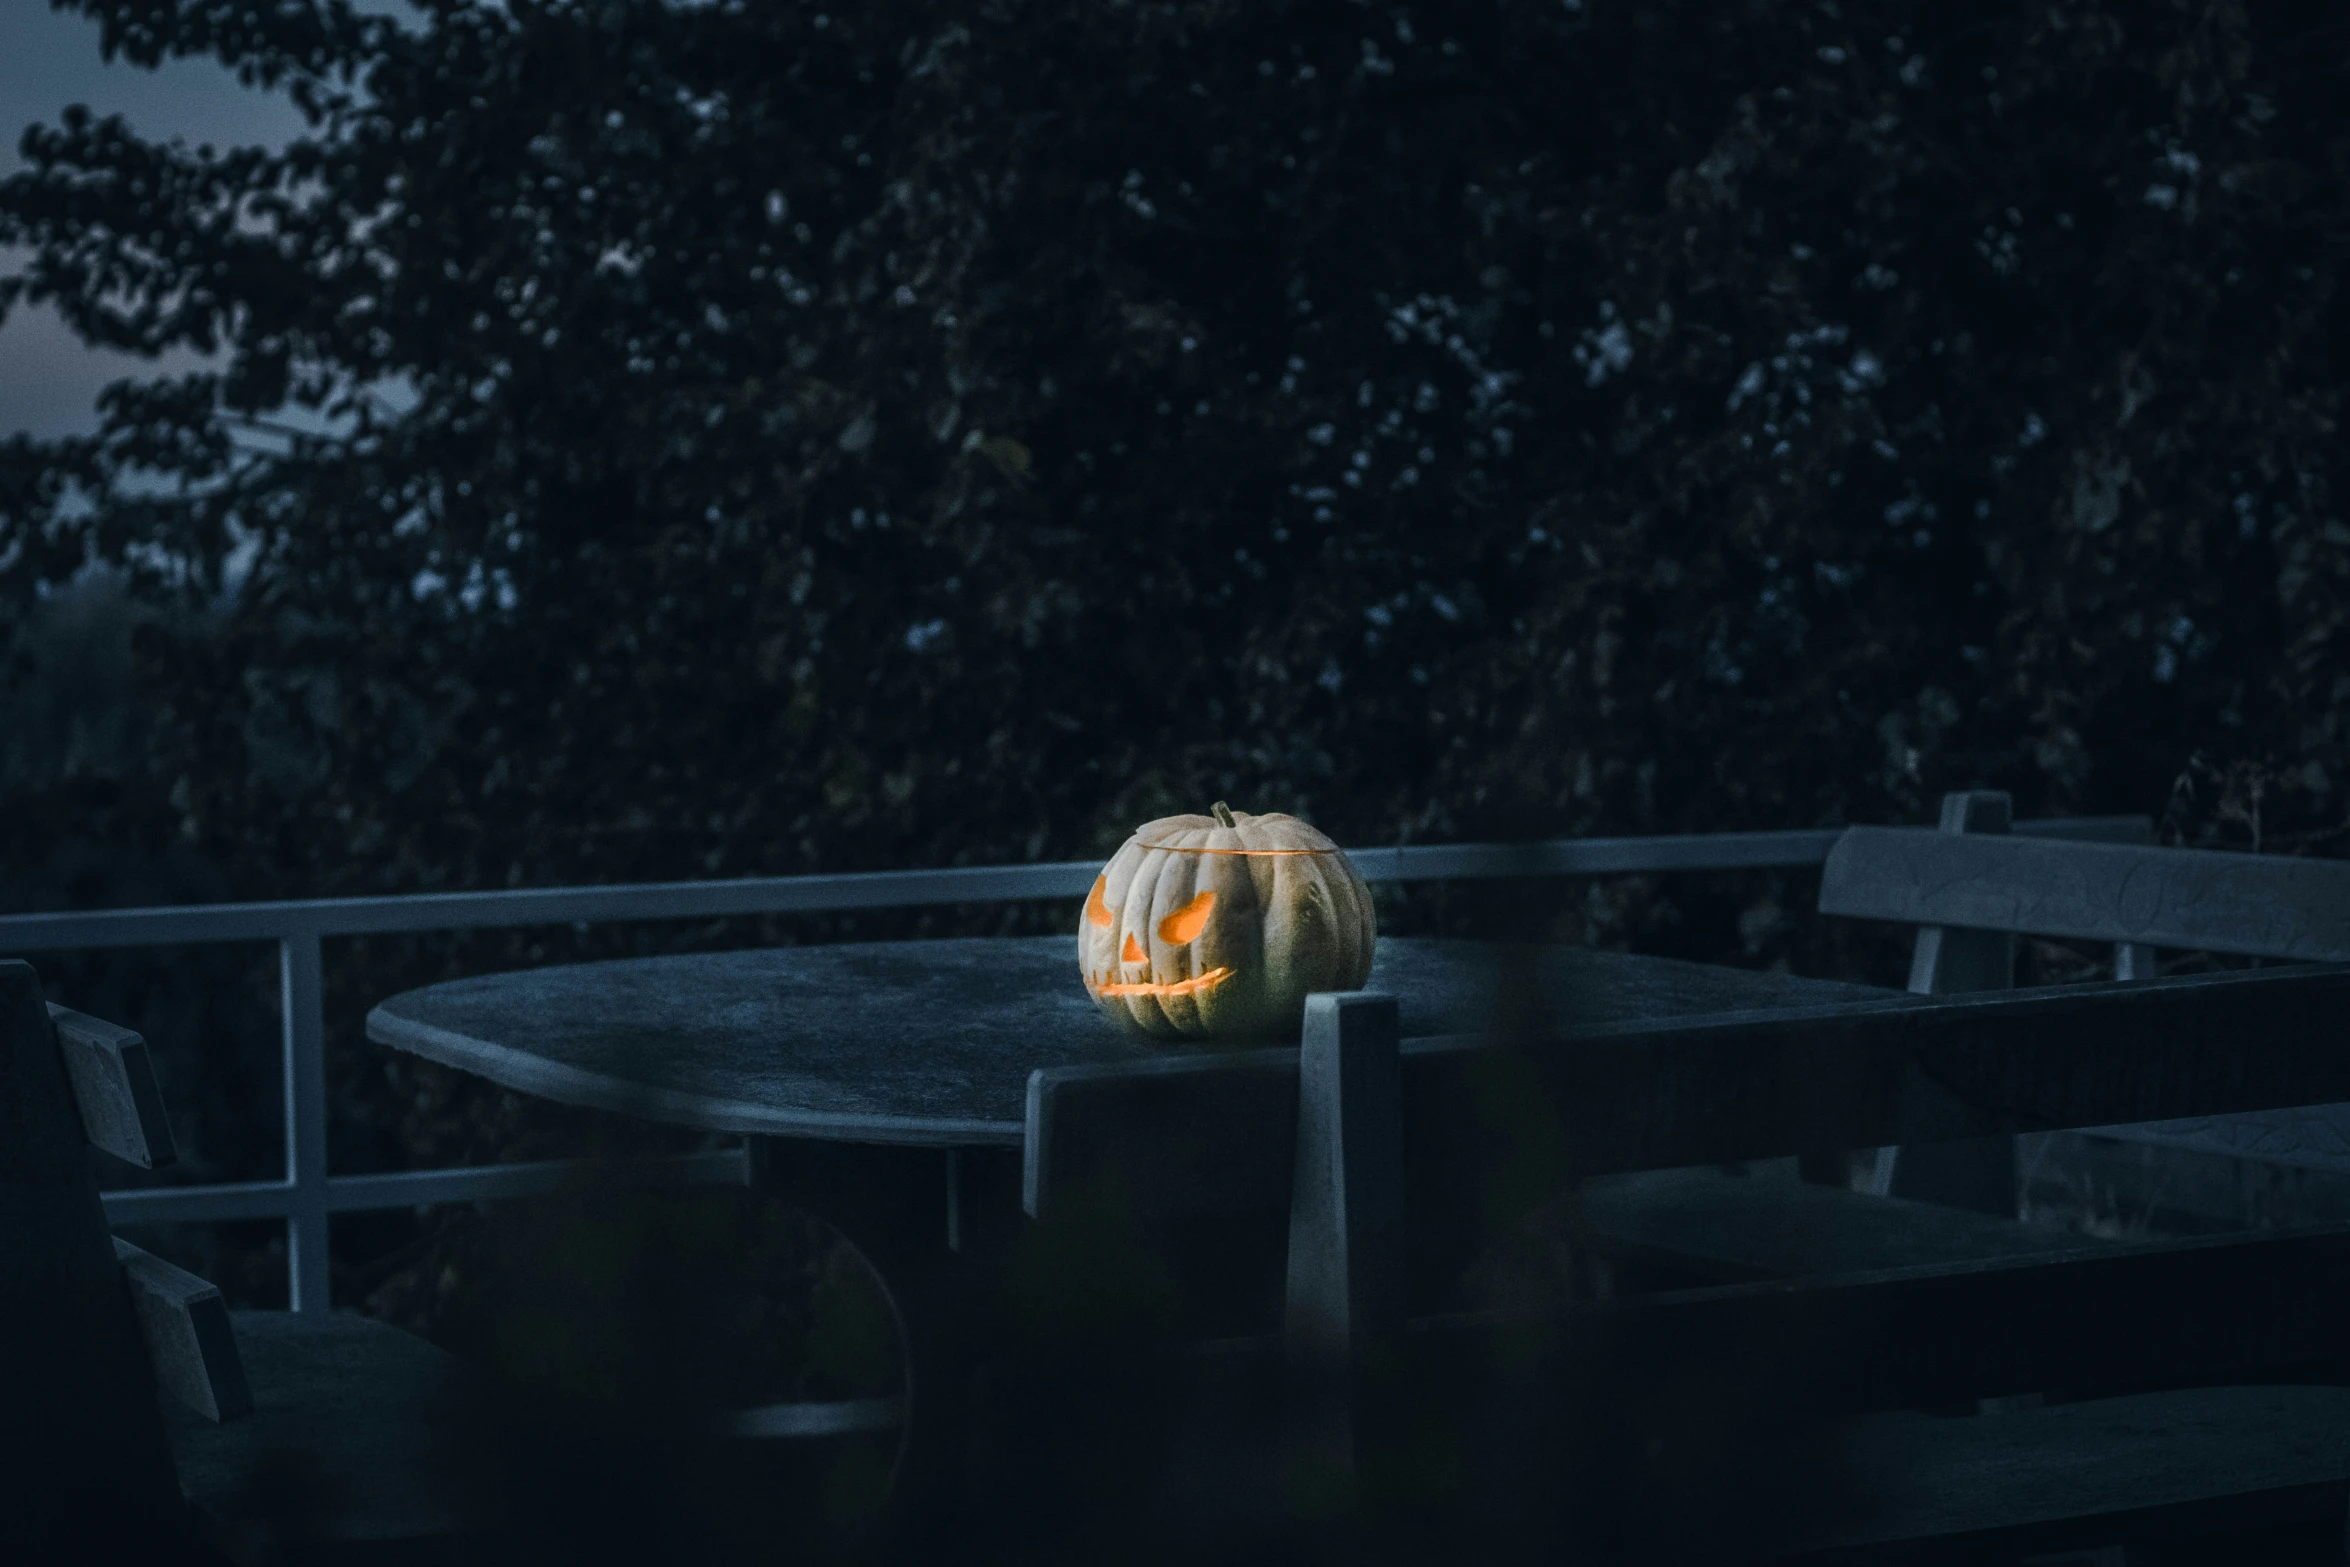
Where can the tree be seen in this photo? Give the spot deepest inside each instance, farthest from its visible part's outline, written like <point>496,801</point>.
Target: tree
<point>662,440</point>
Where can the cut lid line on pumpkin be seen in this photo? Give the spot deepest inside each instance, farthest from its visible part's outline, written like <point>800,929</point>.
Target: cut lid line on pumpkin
<point>1177,848</point>
<point>1172,987</point>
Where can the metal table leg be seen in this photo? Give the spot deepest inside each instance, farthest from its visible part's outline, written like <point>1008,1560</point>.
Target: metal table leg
<point>910,1213</point>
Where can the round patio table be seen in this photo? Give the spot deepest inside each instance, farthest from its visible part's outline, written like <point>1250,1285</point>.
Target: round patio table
<point>881,1086</point>
<point>931,1042</point>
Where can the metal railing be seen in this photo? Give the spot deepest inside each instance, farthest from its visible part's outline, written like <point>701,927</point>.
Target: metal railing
<point>309,1195</point>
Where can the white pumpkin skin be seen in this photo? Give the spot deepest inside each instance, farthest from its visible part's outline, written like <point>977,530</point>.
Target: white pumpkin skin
<point>1215,929</point>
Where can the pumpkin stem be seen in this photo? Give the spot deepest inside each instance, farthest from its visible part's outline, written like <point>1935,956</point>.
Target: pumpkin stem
<point>1224,815</point>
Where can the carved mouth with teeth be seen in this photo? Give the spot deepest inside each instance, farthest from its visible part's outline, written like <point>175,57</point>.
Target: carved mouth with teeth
<point>1178,929</point>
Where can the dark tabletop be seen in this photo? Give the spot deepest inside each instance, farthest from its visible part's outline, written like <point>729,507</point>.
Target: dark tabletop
<point>933,1041</point>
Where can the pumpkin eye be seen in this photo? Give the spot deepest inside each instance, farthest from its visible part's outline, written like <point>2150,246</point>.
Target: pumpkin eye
<point>1096,910</point>
<point>1133,952</point>
<point>1185,924</point>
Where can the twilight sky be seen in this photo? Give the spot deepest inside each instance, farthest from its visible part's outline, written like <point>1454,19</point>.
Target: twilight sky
<point>48,381</point>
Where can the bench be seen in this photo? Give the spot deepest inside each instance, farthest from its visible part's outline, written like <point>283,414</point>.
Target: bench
<point>1971,888</point>
<point>147,1421</point>
<point>1974,890</point>
<point>1786,1412</point>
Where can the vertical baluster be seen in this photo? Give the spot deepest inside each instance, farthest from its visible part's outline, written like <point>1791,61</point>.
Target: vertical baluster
<point>302,995</point>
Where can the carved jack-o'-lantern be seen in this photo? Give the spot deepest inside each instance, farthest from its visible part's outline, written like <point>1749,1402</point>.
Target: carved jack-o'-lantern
<point>1221,926</point>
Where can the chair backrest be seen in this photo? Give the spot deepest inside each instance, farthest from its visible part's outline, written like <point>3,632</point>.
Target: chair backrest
<point>2258,905</point>
<point>88,1444</point>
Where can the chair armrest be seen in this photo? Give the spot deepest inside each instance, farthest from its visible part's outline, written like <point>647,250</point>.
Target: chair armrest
<point>114,1086</point>
<point>185,1324</point>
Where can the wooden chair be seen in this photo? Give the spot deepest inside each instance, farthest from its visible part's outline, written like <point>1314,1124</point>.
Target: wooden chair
<point>284,1437</point>
<point>1774,1418</point>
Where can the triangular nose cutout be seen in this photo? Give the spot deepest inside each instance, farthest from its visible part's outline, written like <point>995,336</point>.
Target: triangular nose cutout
<point>1133,952</point>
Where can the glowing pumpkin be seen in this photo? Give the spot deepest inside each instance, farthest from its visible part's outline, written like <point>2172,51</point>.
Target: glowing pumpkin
<point>1220,926</point>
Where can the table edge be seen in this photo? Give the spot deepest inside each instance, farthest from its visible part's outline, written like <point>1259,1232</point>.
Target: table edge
<point>536,1075</point>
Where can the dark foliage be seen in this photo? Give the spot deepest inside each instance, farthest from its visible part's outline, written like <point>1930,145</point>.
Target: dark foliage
<point>760,440</point>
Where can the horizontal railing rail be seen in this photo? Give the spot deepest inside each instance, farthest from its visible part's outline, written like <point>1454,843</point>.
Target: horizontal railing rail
<point>668,900</point>
<point>309,1195</point>
<point>422,1188</point>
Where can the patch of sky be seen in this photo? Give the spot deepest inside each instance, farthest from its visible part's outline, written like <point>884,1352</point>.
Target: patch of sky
<point>1603,351</point>
<point>494,586</point>
<point>1748,384</point>
<point>1131,193</point>
<point>244,553</point>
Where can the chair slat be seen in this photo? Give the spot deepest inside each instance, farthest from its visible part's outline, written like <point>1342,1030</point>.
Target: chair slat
<point>189,1343</point>
<point>1171,1134</point>
<point>114,1085</point>
<point>2097,1319</point>
<point>2204,900</point>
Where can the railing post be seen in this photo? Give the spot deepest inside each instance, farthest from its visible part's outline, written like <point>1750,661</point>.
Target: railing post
<point>302,995</point>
